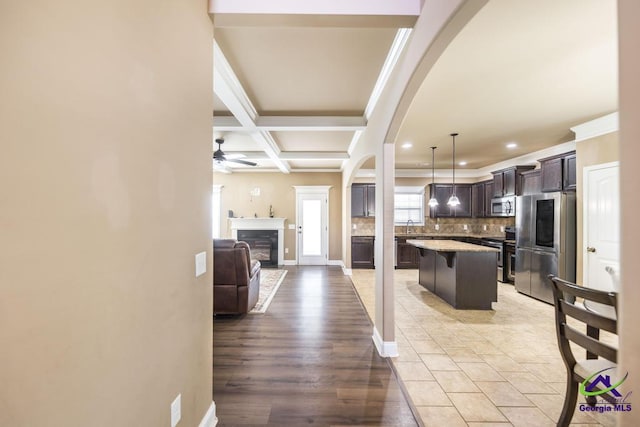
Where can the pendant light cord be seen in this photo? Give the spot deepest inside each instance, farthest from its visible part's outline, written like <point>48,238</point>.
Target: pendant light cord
<point>453,135</point>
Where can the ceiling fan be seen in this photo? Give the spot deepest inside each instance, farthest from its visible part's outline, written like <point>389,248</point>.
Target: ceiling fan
<point>219,157</point>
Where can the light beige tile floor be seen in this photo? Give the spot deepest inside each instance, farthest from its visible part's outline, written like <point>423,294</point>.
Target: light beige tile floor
<point>470,367</point>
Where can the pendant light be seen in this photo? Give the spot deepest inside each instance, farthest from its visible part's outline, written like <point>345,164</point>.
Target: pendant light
<point>433,202</point>
<point>453,200</point>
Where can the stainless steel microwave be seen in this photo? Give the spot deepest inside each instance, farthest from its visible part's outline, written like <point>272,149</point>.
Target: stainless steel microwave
<point>503,206</point>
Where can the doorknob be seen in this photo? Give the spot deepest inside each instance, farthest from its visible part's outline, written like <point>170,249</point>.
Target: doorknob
<point>590,249</point>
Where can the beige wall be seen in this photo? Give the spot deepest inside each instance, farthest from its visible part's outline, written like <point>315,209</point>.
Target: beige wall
<point>105,171</point>
<point>594,151</point>
<point>276,189</point>
<point>629,34</point>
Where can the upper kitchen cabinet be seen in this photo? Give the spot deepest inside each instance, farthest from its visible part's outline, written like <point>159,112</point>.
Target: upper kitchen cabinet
<point>508,182</point>
<point>558,173</point>
<point>481,195</point>
<point>363,200</point>
<point>531,182</point>
<point>442,192</point>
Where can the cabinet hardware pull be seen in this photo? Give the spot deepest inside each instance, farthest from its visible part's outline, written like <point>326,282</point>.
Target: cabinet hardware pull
<point>590,249</point>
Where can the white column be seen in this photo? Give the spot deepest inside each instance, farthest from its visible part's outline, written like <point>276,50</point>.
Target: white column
<point>384,324</point>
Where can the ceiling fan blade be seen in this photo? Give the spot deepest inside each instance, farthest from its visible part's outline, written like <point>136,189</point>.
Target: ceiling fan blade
<point>235,156</point>
<point>242,162</point>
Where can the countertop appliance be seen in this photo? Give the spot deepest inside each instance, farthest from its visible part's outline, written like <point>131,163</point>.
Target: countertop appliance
<point>545,242</point>
<point>503,206</point>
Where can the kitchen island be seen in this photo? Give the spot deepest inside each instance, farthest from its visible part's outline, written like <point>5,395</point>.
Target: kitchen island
<point>462,274</point>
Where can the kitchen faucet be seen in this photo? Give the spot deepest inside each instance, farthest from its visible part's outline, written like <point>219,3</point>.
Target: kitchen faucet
<point>409,221</point>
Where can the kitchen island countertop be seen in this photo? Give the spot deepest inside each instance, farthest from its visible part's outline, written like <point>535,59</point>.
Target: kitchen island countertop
<point>450,246</point>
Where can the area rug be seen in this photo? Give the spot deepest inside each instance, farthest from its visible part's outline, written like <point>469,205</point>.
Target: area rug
<point>270,281</point>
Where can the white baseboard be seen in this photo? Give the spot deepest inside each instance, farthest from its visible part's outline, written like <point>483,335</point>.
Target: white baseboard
<point>210,419</point>
<point>347,271</point>
<point>385,348</point>
<point>290,262</point>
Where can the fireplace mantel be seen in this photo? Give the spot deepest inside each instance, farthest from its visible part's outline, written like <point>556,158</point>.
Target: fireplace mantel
<point>261,224</point>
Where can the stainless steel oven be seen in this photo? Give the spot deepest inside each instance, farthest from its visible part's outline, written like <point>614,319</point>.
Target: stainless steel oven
<point>503,206</point>
<point>510,261</point>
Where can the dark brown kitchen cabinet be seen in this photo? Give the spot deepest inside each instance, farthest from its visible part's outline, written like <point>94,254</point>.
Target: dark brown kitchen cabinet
<point>407,256</point>
<point>508,182</point>
<point>531,182</point>
<point>558,173</point>
<point>488,195</point>
<point>363,200</point>
<point>481,195</point>
<point>362,250</point>
<point>569,177</point>
<point>442,192</point>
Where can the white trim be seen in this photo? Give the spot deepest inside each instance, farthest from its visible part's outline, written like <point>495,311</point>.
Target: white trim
<point>596,127</point>
<point>324,7</point>
<point>347,271</point>
<point>385,348</point>
<point>209,419</point>
<point>397,47</point>
<point>316,189</point>
<point>337,262</point>
<point>290,262</point>
<point>294,123</point>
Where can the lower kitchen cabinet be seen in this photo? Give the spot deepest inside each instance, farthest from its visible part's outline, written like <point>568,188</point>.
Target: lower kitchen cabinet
<point>362,250</point>
<point>407,256</point>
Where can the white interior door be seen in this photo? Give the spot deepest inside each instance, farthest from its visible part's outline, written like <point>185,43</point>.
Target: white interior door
<point>601,227</point>
<point>312,225</point>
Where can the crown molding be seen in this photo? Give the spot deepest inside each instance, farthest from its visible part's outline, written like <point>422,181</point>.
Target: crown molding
<point>596,127</point>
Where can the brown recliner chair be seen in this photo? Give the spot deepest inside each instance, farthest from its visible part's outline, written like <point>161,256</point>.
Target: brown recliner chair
<point>236,277</point>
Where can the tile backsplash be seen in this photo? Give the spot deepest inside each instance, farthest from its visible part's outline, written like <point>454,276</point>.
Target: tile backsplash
<point>487,226</point>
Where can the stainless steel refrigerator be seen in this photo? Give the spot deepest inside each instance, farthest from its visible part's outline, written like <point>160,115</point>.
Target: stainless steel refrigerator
<point>545,242</point>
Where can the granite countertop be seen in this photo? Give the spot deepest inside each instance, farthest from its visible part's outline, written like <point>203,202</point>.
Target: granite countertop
<point>443,235</point>
<point>450,246</point>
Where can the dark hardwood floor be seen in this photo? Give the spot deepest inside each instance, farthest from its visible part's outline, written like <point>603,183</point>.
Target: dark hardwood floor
<point>309,360</point>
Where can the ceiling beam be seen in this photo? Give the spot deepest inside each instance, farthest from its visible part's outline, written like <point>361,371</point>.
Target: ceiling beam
<point>317,7</point>
<point>292,155</point>
<point>228,88</point>
<point>293,123</point>
<point>315,13</point>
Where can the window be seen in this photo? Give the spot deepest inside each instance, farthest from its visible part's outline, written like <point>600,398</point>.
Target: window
<point>409,205</point>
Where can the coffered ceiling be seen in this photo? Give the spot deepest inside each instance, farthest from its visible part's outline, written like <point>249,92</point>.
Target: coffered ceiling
<point>292,91</point>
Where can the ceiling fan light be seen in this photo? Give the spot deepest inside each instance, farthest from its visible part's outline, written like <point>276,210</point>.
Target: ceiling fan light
<point>453,201</point>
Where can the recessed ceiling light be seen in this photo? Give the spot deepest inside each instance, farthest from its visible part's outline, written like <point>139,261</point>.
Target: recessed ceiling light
<point>462,163</point>
<point>407,145</point>
<point>512,145</point>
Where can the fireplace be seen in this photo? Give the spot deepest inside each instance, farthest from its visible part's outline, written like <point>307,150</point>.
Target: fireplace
<point>263,244</point>
<point>273,245</point>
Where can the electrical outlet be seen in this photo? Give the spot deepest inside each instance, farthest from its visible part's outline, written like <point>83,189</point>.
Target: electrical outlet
<point>292,226</point>
<point>502,228</point>
<point>286,250</point>
<point>484,227</point>
<point>437,226</point>
<point>355,226</point>
<point>464,227</point>
<point>176,411</point>
<point>201,263</point>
